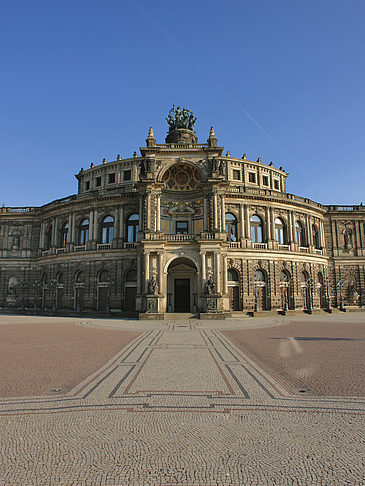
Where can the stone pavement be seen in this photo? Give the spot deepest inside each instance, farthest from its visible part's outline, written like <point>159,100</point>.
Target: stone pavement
<point>182,405</point>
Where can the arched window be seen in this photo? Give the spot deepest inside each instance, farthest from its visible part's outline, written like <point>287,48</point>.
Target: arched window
<point>132,227</point>
<point>259,276</point>
<point>64,235</point>
<point>79,277</point>
<point>232,275</point>
<point>256,229</point>
<point>231,227</point>
<point>103,276</point>
<point>84,231</point>
<point>315,235</point>
<point>59,278</point>
<point>299,232</point>
<point>107,227</point>
<point>280,232</point>
<point>131,276</point>
<point>284,276</point>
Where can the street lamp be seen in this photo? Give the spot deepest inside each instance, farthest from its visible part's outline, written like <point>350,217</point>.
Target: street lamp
<point>328,298</point>
<point>310,295</point>
<point>285,285</point>
<point>23,286</point>
<point>53,285</point>
<point>340,284</point>
<point>36,286</point>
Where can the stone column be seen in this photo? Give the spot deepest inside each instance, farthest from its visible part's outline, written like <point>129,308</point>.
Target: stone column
<point>41,235</point>
<point>148,212</point>
<point>91,225</point>
<point>141,222</point>
<point>121,222</point>
<point>158,212</point>
<point>272,218</point>
<point>139,289</point>
<point>147,270</point>
<point>308,230</point>
<point>69,228</point>
<point>217,272</point>
<point>204,269</point>
<point>225,282</point>
<point>55,230</point>
<point>268,224</point>
<point>205,213</point>
<point>223,214</point>
<point>242,222</point>
<point>95,235</point>
<point>215,211</point>
<point>160,272</point>
<point>321,232</point>
<point>247,222</point>
<point>74,236</point>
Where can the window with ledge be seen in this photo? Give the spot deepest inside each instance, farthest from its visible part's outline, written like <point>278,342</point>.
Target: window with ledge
<point>265,180</point>
<point>231,227</point>
<point>132,227</point>
<point>182,227</point>
<point>127,175</point>
<point>98,181</point>
<point>64,235</point>
<point>84,232</point>
<point>276,184</point>
<point>251,177</point>
<point>256,229</point>
<point>87,185</point>
<point>111,178</point>
<point>236,174</point>
<point>299,233</point>
<point>280,232</point>
<point>107,229</point>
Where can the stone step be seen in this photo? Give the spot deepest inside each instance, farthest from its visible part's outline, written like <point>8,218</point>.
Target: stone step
<point>177,316</point>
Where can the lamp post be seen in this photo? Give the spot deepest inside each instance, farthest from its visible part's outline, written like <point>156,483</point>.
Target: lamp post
<point>53,285</point>
<point>285,285</point>
<point>310,295</point>
<point>36,286</point>
<point>255,285</point>
<point>23,286</point>
<point>340,284</point>
<point>328,298</point>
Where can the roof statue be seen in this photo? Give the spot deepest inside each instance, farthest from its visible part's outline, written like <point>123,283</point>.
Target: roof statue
<point>180,118</point>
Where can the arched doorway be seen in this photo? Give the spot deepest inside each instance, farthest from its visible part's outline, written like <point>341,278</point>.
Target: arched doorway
<point>321,292</point>
<point>286,290</point>
<point>305,288</point>
<point>182,288</point>
<point>130,290</point>
<point>60,291</point>
<point>103,291</point>
<point>260,290</point>
<point>233,289</point>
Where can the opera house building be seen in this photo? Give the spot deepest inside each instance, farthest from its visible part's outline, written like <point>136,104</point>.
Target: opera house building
<point>182,228</point>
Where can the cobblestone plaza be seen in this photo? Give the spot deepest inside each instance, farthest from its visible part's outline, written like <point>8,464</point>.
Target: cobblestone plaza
<point>177,402</point>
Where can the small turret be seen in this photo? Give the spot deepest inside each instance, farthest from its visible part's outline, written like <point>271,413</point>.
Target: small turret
<point>150,140</point>
<point>212,140</point>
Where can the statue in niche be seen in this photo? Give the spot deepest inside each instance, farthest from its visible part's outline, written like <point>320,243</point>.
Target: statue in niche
<point>210,286</point>
<point>222,166</point>
<point>347,239</point>
<point>13,283</point>
<point>15,242</point>
<point>152,286</point>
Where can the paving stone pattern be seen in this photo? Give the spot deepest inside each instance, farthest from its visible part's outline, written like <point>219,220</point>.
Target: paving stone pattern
<point>182,405</point>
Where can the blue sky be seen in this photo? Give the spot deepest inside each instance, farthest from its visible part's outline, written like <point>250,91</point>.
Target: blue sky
<point>83,80</point>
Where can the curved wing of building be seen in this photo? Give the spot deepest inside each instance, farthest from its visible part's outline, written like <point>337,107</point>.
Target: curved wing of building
<point>182,228</point>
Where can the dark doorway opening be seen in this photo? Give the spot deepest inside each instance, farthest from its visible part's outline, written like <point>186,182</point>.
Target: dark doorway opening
<point>130,298</point>
<point>182,295</point>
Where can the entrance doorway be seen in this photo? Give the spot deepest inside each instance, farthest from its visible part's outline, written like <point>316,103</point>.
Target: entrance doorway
<point>182,290</point>
<point>182,295</point>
